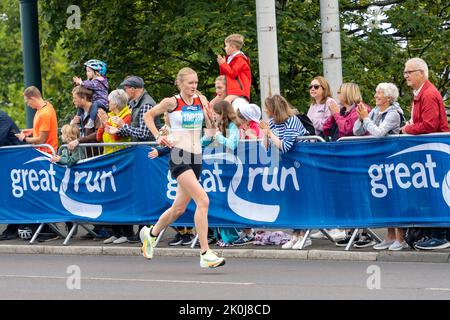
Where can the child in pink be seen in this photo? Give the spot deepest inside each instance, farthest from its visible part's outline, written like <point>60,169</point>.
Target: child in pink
<point>250,115</point>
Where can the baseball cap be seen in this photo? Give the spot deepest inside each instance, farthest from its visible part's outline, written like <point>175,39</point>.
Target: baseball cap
<point>133,82</point>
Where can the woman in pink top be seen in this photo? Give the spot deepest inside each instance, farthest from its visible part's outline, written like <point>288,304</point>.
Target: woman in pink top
<point>343,116</point>
<point>321,98</point>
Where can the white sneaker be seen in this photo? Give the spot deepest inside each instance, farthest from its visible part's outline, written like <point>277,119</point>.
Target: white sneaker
<point>290,243</point>
<point>110,240</point>
<point>317,235</point>
<point>337,234</point>
<point>397,246</point>
<point>211,260</point>
<point>120,240</point>
<point>296,246</point>
<point>385,244</point>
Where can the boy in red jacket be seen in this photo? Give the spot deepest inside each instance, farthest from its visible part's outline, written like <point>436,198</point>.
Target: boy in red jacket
<point>236,68</point>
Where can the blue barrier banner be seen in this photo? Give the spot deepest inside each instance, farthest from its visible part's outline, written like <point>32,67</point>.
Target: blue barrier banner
<point>367,183</point>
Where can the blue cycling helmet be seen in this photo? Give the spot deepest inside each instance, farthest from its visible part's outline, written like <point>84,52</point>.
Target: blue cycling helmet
<point>97,65</point>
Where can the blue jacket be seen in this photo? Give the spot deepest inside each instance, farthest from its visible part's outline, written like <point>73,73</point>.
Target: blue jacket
<point>8,129</point>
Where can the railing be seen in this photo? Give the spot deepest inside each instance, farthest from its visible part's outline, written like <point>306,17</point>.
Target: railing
<point>28,146</point>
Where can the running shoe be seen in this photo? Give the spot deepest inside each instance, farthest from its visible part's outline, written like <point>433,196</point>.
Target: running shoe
<point>148,242</point>
<point>211,260</point>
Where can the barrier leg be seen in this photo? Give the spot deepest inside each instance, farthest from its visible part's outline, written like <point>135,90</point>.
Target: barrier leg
<point>160,236</point>
<point>374,235</point>
<point>194,242</point>
<point>71,232</point>
<point>35,235</point>
<point>324,231</point>
<point>352,239</point>
<point>305,237</point>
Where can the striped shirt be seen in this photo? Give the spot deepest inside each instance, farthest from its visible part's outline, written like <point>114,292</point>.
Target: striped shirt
<point>287,132</point>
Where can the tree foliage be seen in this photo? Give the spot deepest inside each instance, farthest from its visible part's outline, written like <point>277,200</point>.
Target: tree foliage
<point>154,39</point>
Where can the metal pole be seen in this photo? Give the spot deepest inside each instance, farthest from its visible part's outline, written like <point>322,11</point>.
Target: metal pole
<point>267,49</point>
<point>30,44</point>
<point>331,43</point>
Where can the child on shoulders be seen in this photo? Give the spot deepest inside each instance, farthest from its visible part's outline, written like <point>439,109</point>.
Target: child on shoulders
<point>98,83</point>
<point>236,68</point>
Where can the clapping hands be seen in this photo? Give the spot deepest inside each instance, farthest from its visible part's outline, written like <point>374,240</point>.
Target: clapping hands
<point>362,111</point>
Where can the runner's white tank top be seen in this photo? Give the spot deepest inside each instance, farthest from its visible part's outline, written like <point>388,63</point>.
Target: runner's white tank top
<point>186,117</point>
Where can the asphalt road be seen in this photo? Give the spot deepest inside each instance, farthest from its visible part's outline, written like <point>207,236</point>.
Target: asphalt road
<point>180,278</point>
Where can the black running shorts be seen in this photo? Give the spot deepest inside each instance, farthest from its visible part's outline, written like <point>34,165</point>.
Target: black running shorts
<point>181,161</point>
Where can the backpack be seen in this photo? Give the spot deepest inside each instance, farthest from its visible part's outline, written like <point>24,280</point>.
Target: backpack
<point>307,123</point>
<point>402,120</point>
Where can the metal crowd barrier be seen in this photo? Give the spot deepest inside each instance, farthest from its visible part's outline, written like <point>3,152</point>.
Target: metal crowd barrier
<point>121,145</point>
<point>301,138</point>
<point>34,146</point>
<point>51,225</point>
<point>392,136</point>
<point>96,149</point>
<point>308,231</point>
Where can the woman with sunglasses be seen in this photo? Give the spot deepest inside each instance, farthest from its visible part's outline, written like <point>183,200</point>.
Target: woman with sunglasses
<point>319,112</point>
<point>321,98</point>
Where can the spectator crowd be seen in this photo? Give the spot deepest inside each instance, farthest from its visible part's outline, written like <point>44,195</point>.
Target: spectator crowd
<point>123,115</point>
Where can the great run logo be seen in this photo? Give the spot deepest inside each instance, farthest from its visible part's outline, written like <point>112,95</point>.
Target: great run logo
<point>419,175</point>
<point>30,180</point>
<point>280,179</point>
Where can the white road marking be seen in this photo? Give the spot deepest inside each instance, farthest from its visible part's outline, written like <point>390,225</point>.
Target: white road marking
<point>438,289</point>
<point>129,280</point>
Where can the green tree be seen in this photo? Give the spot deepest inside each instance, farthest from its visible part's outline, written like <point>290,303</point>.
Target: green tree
<point>154,39</point>
<point>54,66</point>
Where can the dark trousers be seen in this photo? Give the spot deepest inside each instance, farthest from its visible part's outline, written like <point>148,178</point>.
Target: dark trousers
<point>11,229</point>
<point>440,233</point>
<point>122,230</point>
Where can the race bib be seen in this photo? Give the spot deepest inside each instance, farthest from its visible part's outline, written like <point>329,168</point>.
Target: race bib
<point>192,117</point>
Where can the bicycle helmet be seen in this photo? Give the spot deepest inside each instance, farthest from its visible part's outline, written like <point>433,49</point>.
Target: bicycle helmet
<point>97,65</point>
<point>25,233</point>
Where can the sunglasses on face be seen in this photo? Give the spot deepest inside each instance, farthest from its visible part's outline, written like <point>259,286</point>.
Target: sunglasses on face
<point>315,86</point>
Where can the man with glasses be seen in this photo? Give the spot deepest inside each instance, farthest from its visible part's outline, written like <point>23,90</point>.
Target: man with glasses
<point>427,116</point>
<point>427,112</point>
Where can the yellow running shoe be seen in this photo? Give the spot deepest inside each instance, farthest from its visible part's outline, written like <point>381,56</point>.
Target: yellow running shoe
<point>211,260</point>
<point>148,242</point>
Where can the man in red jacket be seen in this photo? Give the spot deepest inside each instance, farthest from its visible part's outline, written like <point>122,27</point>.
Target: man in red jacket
<point>427,116</point>
<point>428,112</point>
<point>236,68</point>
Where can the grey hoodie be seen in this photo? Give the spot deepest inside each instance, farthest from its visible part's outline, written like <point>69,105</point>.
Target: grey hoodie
<point>376,126</point>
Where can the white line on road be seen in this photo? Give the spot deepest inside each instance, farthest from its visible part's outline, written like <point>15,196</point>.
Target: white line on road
<point>130,280</point>
<point>438,289</point>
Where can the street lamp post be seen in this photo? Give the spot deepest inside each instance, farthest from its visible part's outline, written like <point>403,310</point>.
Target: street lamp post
<point>331,43</point>
<point>267,49</point>
<point>30,44</point>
